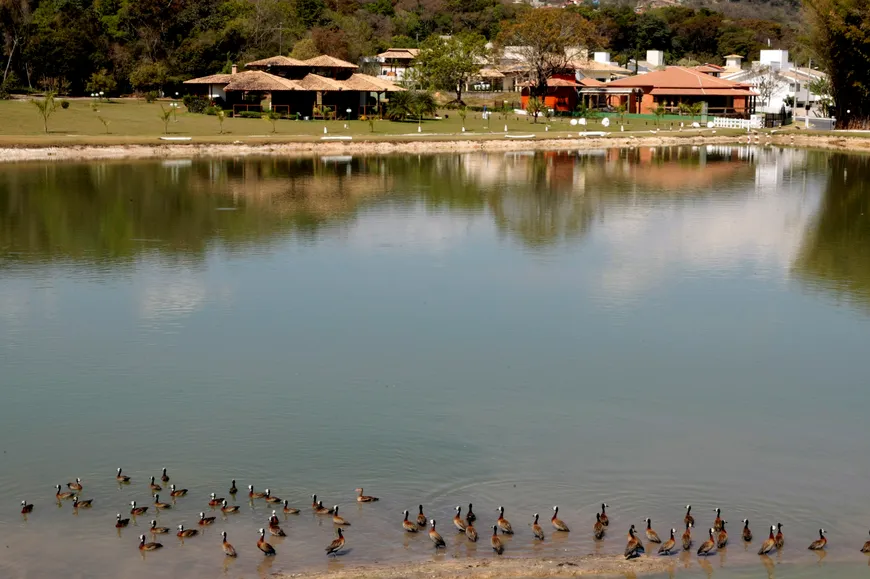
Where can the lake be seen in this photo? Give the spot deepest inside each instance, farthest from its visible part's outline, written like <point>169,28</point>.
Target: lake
<point>649,328</point>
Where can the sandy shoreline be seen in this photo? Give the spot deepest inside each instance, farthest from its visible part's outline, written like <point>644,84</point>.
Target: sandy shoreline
<point>309,149</point>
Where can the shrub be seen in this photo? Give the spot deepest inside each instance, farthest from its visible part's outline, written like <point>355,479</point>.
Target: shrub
<point>416,104</point>
<point>151,96</point>
<point>195,103</point>
<point>249,115</point>
<point>64,104</point>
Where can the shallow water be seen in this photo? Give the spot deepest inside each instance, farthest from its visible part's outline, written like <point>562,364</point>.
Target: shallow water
<point>648,328</point>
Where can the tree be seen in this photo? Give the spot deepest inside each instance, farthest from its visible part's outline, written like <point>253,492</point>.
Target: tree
<point>767,83</point>
<point>166,116</point>
<point>410,103</point>
<point>534,106</point>
<point>659,112</point>
<point>46,107</point>
<point>449,63</point>
<point>101,81</point>
<point>273,117</point>
<point>821,87</point>
<point>148,76</point>
<point>221,117</point>
<point>547,40</point>
<point>304,49</point>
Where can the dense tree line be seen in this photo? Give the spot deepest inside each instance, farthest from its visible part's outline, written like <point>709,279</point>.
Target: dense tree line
<point>121,46</point>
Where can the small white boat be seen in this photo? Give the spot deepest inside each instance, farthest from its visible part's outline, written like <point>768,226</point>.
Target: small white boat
<point>175,138</point>
<point>337,138</point>
<point>519,136</point>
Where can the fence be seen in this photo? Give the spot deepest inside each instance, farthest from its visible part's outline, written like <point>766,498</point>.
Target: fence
<point>755,122</point>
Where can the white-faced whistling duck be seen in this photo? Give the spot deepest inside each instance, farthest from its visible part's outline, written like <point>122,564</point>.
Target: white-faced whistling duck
<point>122,477</point>
<point>270,499</point>
<point>651,535</point>
<point>82,503</point>
<point>254,495</point>
<point>233,489</point>
<point>470,533</point>
<point>598,527</point>
<point>819,543</point>
<point>276,530</point>
<point>152,546</point>
<point>780,539</point>
<point>634,547</point>
<point>186,533</point>
<point>537,531</point>
<point>226,508</point>
<point>288,510</point>
<point>63,495</point>
<point>722,538</point>
<point>689,519</point>
<point>203,520</point>
<point>496,543</point>
<point>747,533</point>
<point>321,510</point>
<point>668,546</point>
<point>864,549</point>
<point>408,525</point>
<point>134,510</point>
<point>336,545</point>
<point>687,537</point>
<point>175,493</point>
<point>119,522</point>
<point>215,501</point>
<point>558,524</point>
<point>163,476</point>
<point>273,519</point>
<point>421,519</point>
<point>769,544</point>
<point>267,549</point>
<point>26,507</point>
<point>604,518</point>
<point>458,522</point>
<point>313,502</point>
<point>361,498</point>
<point>229,550</point>
<point>154,486</point>
<point>338,520</point>
<point>707,546</point>
<point>158,530</point>
<point>717,524</point>
<point>470,517</point>
<point>435,536</point>
<point>503,524</point>
<point>75,485</point>
<point>160,506</point>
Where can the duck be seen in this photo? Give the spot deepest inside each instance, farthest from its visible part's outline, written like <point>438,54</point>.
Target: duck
<point>152,546</point>
<point>470,517</point>
<point>421,518</point>
<point>256,495</point>
<point>276,530</point>
<point>408,525</point>
<point>496,543</point>
<point>229,550</point>
<point>313,501</point>
<point>215,501</point>
<point>780,539</point>
<point>668,546</point>
<point>26,507</point>
<point>158,530</point>
<point>163,476</point>
<point>336,545</point>
<point>233,491</point>
<point>186,533</point>
<point>722,538</point>
<point>632,532</point>
<point>717,524</point>
<point>651,535</point>
<point>435,536</point>
<point>134,510</point>
<point>707,546</point>
<point>503,523</point>
<point>122,478</point>
<point>160,506</point>
<point>269,498</point>
<point>687,537</point>
<point>361,498</point>
<point>338,520</point>
<point>321,510</point>
<point>175,493</point>
<point>558,524</point>
<point>819,543</point>
<point>864,549</point>
<point>154,486</point>
<point>747,533</point>
<point>537,531</point>
<point>460,524</point>
<point>604,519</point>
<point>226,508</point>
<point>76,485</point>
<point>689,519</point>
<point>119,522</point>
<point>288,510</point>
<point>470,533</point>
<point>598,527</point>
<point>82,503</point>
<point>204,521</point>
<point>634,548</point>
<point>267,549</point>
<point>769,544</point>
<point>63,495</point>
<point>273,519</point>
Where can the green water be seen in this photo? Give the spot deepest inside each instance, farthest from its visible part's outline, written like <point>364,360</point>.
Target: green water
<point>648,328</point>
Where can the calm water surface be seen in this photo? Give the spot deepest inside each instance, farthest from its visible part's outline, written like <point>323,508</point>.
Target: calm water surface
<point>648,328</point>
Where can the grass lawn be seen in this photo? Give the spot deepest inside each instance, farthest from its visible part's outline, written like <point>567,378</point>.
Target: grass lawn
<point>136,122</point>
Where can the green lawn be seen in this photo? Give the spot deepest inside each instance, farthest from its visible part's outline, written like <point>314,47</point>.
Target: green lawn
<point>133,121</point>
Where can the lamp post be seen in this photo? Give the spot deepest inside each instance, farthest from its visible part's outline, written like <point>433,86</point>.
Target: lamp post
<point>101,95</point>
<point>348,113</point>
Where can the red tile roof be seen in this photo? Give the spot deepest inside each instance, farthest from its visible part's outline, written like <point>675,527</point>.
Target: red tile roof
<point>681,80</point>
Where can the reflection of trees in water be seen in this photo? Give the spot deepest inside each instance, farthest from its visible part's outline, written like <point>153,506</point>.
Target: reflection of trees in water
<point>835,255</point>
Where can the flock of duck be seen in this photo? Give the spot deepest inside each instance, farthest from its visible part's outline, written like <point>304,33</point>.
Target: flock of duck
<point>717,537</point>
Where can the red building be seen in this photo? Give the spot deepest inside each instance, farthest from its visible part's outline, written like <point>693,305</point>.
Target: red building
<point>562,95</point>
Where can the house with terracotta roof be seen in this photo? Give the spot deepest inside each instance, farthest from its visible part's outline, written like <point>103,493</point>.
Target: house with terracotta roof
<point>395,62</point>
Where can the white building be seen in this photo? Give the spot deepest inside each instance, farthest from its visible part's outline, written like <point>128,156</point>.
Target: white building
<point>773,72</point>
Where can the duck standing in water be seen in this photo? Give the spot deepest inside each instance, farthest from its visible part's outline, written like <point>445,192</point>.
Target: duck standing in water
<point>121,523</point>
<point>668,545</point>
<point>267,549</point>
<point>471,533</point>
<point>270,499</point>
<point>605,520</point>
<point>338,520</point>
<point>408,525</point>
<point>135,511</point>
<point>780,539</point>
<point>214,501</point>
<point>337,545</point>
<point>598,527</point>
<point>26,507</point>
<point>321,510</point>
<point>152,546</point>
<point>229,550</point>
<point>186,533</point>
<point>164,477</point>
<point>233,489</point>
<point>121,478</point>
<point>866,547</point>
<point>689,519</point>
<point>634,548</point>
<point>717,524</point>
<point>175,493</point>
<point>470,517</point>
<point>421,519</point>
<point>82,503</point>
<point>205,521</point>
<point>154,486</point>
<point>496,543</point>
<point>537,531</point>
<point>160,506</point>
<point>819,543</point>
<point>435,537</point>
<point>458,522</point>
<point>503,524</point>
<point>288,510</point>
<point>76,485</point>
<point>226,508</point>
<point>768,545</point>
<point>708,546</point>
<point>256,495</point>
<point>722,538</point>
<point>687,537</point>
<point>361,498</point>
<point>747,533</point>
<point>155,530</point>
<point>558,523</point>
<point>62,496</point>
<point>651,535</point>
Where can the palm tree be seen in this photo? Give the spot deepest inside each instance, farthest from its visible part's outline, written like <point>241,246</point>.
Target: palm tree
<point>417,104</point>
